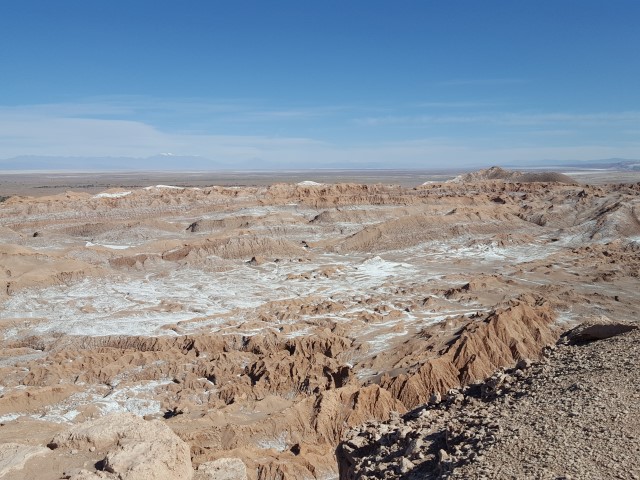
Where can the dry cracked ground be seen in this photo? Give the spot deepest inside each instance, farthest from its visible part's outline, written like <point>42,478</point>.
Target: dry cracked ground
<point>289,331</point>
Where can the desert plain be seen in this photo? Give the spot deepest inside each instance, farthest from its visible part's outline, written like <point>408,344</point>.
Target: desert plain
<point>287,328</point>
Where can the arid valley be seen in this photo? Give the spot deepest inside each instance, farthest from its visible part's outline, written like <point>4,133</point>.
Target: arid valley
<point>300,328</point>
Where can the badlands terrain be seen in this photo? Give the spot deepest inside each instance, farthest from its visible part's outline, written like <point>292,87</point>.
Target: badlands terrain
<point>302,330</point>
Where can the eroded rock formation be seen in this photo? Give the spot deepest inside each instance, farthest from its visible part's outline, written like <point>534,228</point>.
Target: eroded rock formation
<point>249,329</point>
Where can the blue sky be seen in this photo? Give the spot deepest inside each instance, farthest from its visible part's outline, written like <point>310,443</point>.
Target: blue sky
<point>331,83</point>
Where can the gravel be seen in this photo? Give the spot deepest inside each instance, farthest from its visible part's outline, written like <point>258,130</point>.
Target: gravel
<point>573,415</point>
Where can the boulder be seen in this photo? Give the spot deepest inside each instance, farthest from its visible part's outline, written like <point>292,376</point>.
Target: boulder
<point>597,329</point>
<point>137,449</point>
<point>163,458</point>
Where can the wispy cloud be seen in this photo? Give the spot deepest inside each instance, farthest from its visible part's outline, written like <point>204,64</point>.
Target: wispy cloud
<point>90,137</point>
<point>75,109</point>
<point>187,110</point>
<point>129,127</point>
<point>455,105</point>
<point>106,137</point>
<point>506,119</point>
<point>480,81</point>
<point>559,132</point>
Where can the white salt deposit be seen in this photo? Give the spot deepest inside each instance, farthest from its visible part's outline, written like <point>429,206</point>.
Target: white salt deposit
<point>112,195</point>
<point>113,247</point>
<point>382,342</point>
<point>9,417</point>
<point>138,399</point>
<point>279,443</point>
<point>170,187</point>
<point>138,306</point>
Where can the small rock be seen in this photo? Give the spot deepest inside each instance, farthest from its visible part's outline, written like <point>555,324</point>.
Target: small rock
<point>357,442</point>
<point>443,456</point>
<point>257,260</point>
<point>394,417</point>
<point>523,364</point>
<point>414,447</point>
<point>406,465</point>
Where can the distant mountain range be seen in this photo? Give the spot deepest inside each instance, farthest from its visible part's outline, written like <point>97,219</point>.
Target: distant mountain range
<point>169,162</point>
<point>615,164</point>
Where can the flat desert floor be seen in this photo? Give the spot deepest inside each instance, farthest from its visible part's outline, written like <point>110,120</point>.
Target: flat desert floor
<point>262,318</point>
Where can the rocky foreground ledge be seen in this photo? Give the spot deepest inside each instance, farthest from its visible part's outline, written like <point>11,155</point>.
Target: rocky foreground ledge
<point>575,414</point>
<point>116,447</point>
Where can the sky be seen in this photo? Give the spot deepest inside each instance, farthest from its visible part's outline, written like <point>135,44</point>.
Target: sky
<point>295,84</point>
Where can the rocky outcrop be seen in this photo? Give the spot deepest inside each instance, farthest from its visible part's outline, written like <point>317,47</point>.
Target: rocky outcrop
<point>432,226</point>
<point>350,406</point>
<point>14,456</point>
<point>500,339</point>
<point>222,469</point>
<point>332,195</point>
<point>158,458</point>
<point>497,173</point>
<point>235,247</point>
<point>26,268</point>
<point>136,449</point>
<point>572,414</point>
<point>597,329</point>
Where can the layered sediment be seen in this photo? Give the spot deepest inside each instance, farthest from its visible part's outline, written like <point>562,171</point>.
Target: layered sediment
<point>256,327</point>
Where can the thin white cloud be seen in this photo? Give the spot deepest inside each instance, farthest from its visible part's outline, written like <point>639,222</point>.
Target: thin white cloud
<point>78,109</point>
<point>480,81</point>
<point>135,107</point>
<point>49,130</point>
<point>455,105</point>
<point>506,119</point>
<point>103,137</point>
<point>552,132</point>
